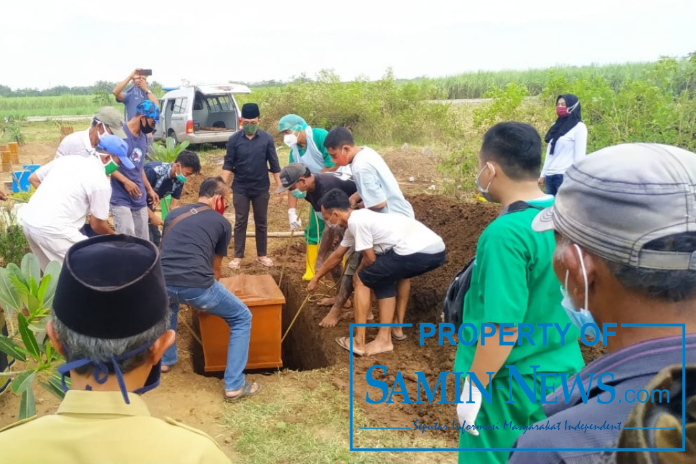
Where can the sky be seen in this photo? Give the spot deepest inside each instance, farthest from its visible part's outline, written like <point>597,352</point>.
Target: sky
<point>78,42</point>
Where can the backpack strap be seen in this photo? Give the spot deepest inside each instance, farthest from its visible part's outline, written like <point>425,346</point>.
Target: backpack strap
<point>176,220</point>
<point>518,206</point>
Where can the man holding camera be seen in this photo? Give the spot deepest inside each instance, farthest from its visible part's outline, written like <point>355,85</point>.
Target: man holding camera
<point>137,93</point>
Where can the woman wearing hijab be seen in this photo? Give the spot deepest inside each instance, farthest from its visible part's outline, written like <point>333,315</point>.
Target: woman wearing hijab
<point>567,142</point>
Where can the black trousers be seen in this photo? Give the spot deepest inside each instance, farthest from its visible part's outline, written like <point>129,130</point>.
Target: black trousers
<point>259,203</point>
<point>383,275</point>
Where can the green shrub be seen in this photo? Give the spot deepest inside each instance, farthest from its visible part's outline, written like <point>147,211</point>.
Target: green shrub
<point>379,112</point>
<point>13,243</point>
<point>27,297</point>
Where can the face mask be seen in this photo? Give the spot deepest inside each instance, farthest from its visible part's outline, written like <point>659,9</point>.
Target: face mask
<point>582,316</point>
<point>333,226</point>
<point>483,191</point>
<point>101,372</point>
<point>299,194</point>
<point>110,167</point>
<point>561,111</point>
<point>101,135</point>
<point>290,140</point>
<point>181,178</point>
<point>220,206</point>
<point>145,128</point>
<point>250,129</point>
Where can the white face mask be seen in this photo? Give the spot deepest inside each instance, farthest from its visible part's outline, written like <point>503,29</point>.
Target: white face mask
<point>290,140</point>
<point>102,134</point>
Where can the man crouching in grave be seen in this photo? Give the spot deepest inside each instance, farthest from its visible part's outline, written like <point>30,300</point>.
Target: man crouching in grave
<point>393,248</point>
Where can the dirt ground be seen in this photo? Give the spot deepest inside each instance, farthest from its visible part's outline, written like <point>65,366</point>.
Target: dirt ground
<point>196,399</point>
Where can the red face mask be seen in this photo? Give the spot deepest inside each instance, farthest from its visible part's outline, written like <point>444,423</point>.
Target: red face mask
<point>220,206</point>
<point>562,111</point>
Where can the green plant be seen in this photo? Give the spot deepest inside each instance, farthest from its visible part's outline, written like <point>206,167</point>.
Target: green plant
<point>13,243</point>
<point>11,127</point>
<point>102,98</point>
<point>28,296</point>
<point>168,151</point>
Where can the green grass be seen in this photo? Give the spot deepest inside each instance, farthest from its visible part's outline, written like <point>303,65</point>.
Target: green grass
<point>305,418</point>
<point>64,105</point>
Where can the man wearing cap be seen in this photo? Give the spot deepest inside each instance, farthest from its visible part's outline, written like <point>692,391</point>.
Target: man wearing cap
<point>107,120</point>
<point>111,323</point>
<point>194,242</point>
<point>307,147</point>
<point>251,154</point>
<point>512,282</point>
<point>302,183</point>
<point>625,255</point>
<point>67,189</point>
<point>131,189</point>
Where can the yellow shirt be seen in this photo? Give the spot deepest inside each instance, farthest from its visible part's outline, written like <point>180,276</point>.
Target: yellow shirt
<point>99,427</point>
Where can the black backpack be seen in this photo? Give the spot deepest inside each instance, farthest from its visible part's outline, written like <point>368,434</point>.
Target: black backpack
<point>454,298</point>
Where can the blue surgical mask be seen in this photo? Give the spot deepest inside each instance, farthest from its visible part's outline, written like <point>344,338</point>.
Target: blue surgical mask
<point>579,317</point>
<point>299,194</point>
<point>483,191</point>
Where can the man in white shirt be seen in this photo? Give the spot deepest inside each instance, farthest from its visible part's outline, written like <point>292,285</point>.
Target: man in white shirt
<point>107,120</point>
<point>67,189</point>
<point>378,189</point>
<point>394,248</point>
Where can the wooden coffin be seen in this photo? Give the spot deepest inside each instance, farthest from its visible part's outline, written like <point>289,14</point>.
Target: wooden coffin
<point>265,301</point>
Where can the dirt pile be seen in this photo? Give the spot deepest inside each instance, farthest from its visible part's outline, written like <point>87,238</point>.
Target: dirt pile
<point>460,225</point>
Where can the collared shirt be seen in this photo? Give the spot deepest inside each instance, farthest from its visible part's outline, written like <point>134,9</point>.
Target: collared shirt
<point>93,426</point>
<point>131,99</point>
<point>377,184</point>
<point>250,160</point>
<point>632,367</point>
<point>77,143</point>
<point>159,175</point>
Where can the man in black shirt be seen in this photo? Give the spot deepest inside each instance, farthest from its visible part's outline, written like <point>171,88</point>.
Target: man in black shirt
<point>250,155</point>
<point>297,178</point>
<point>194,242</point>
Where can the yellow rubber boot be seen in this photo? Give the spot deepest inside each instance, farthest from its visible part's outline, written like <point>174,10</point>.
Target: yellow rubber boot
<point>312,253</point>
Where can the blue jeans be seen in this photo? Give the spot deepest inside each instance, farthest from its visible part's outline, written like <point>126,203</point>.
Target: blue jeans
<point>219,301</point>
<point>553,183</point>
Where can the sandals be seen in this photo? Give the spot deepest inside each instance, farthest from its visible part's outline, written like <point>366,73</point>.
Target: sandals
<point>165,369</point>
<point>246,391</point>
<point>344,343</point>
<point>399,339</point>
<point>265,261</point>
<point>235,264</point>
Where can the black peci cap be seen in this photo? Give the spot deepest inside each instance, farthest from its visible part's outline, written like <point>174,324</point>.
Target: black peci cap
<point>111,286</point>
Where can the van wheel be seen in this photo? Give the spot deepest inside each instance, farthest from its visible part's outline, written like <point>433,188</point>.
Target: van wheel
<point>172,134</point>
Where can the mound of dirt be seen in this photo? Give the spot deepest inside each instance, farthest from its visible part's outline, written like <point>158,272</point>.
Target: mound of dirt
<point>459,224</point>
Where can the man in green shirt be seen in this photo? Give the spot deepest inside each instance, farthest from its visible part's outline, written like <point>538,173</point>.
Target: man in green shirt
<point>512,281</point>
<point>307,147</point>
